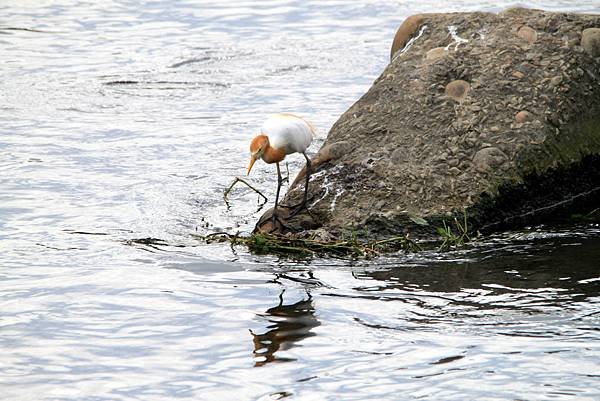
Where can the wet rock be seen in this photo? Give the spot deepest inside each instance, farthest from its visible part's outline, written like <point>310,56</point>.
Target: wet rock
<point>506,127</point>
<point>590,41</point>
<point>300,223</point>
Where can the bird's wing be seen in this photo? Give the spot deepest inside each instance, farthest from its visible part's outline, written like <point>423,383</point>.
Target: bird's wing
<point>288,132</point>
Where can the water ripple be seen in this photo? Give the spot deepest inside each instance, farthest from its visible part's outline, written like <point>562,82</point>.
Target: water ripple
<point>122,124</point>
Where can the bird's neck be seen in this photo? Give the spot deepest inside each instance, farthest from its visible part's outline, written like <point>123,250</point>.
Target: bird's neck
<point>272,155</point>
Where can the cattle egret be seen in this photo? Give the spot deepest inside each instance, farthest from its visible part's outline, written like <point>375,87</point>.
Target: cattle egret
<point>281,135</point>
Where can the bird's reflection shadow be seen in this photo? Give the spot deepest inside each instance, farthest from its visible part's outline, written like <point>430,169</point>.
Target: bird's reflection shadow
<point>288,324</point>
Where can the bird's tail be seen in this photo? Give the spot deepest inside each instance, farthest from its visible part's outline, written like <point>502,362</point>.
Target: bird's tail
<point>313,131</point>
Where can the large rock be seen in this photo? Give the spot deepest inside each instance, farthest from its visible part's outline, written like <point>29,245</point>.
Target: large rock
<point>495,114</point>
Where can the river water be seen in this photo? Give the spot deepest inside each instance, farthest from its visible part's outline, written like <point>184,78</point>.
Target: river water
<point>122,122</point>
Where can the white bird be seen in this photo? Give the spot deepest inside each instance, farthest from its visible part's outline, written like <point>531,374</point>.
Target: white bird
<point>281,135</point>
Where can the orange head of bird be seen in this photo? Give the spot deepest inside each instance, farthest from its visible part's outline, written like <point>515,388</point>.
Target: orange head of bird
<point>257,148</point>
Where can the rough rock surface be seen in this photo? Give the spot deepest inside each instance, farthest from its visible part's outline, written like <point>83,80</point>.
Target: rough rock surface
<point>495,114</point>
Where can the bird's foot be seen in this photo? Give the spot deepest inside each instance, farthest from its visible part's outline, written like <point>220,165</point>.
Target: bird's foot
<point>300,207</point>
<point>275,219</point>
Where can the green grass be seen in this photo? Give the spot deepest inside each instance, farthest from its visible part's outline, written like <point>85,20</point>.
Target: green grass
<point>454,237</point>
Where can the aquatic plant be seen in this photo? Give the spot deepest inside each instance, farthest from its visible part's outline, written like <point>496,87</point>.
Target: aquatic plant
<point>454,238</point>
<point>282,245</point>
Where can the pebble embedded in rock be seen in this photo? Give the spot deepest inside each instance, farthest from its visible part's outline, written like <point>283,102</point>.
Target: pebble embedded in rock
<point>527,33</point>
<point>436,53</point>
<point>454,171</point>
<point>488,158</point>
<point>332,151</point>
<point>522,116</point>
<point>590,41</point>
<point>399,156</point>
<point>458,90</point>
<point>404,33</point>
<point>554,82</point>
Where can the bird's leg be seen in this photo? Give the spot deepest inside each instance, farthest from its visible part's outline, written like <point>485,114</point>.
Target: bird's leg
<point>302,205</point>
<point>287,173</point>
<point>308,172</point>
<point>275,215</point>
<point>279,182</point>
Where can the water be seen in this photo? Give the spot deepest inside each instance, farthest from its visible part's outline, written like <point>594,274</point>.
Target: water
<point>122,121</point>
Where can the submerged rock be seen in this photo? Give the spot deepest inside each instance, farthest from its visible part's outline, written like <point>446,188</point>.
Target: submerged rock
<point>492,115</point>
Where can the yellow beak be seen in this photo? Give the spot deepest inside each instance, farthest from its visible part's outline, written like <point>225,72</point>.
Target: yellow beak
<point>252,160</point>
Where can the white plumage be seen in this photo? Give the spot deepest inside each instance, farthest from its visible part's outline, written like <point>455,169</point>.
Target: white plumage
<point>288,132</point>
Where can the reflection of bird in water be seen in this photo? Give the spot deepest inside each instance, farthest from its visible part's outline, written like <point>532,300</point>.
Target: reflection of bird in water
<point>289,324</point>
<point>281,135</point>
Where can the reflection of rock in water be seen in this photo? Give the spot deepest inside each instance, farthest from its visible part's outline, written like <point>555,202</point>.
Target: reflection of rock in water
<point>288,325</point>
<point>536,277</point>
<point>542,263</point>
